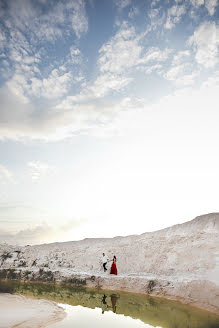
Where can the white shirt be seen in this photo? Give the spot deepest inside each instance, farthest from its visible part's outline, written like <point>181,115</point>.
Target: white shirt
<point>104,259</point>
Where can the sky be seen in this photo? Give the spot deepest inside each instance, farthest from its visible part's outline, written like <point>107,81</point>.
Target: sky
<point>108,116</point>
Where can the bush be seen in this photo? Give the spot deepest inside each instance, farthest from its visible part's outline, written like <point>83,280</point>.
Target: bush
<point>150,286</point>
<point>6,256</point>
<point>34,263</point>
<point>76,282</point>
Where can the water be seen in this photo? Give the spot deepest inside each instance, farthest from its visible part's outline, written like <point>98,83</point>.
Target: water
<point>92,308</point>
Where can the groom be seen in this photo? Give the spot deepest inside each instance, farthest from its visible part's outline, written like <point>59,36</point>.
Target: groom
<point>105,260</point>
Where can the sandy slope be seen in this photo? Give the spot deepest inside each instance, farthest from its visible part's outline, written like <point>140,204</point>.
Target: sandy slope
<point>179,262</point>
<point>19,311</point>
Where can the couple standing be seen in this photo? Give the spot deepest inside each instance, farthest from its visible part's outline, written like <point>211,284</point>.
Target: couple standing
<point>113,269</point>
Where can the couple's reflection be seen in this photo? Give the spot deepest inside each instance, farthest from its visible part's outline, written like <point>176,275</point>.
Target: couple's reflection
<point>105,306</point>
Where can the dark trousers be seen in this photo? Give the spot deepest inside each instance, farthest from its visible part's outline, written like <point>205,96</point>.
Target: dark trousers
<point>104,266</point>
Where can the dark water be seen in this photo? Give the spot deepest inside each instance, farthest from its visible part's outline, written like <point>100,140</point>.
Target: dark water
<point>92,308</point>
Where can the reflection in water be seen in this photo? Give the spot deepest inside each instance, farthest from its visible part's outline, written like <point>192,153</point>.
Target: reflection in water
<point>114,300</point>
<point>81,317</point>
<point>104,304</point>
<point>155,312</point>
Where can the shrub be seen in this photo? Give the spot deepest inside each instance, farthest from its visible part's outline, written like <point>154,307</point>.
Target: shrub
<point>34,263</point>
<point>76,281</point>
<point>6,256</point>
<point>150,286</point>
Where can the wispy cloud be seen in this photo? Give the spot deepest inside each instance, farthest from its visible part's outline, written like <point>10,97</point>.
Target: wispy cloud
<point>6,175</point>
<point>209,4</point>
<point>49,98</point>
<point>121,52</point>
<point>118,57</point>
<point>157,17</point>
<point>134,12</point>
<point>39,169</point>
<point>41,233</point>
<point>45,21</point>
<point>181,71</point>
<point>174,15</point>
<point>121,4</point>
<point>155,54</point>
<point>205,42</point>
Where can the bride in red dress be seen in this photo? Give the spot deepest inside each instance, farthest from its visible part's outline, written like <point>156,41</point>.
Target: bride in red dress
<point>113,269</point>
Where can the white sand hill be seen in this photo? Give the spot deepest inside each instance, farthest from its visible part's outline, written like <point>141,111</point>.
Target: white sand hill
<point>180,262</point>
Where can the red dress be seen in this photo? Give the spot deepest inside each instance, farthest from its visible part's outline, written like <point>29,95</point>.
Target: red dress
<point>113,269</point>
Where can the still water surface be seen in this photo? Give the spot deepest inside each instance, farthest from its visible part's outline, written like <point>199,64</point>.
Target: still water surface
<point>92,308</point>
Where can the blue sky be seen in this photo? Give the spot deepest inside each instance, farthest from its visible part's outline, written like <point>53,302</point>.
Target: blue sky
<point>108,116</point>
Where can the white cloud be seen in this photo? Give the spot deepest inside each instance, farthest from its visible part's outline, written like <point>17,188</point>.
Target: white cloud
<point>174,72</point>
<point>2,40</point>
<point>75,54</point>
<point>154,3</point>
<point>6,175</point>
<point>197,3</point>
<point>174,15</point>
<point>180,76</point>
<point>27,80</point>
<point>17,86</point>
<point>25,25</point>
<point>211,6</point>
<point>188,109</point>
<point>121,52</point>
<point>152,68</point>
<point>157,17</point>
<point>28,236</point>
<point>108,82</point>
<point>43,24</point>
<point>186,79</point>
<point>71,116</point>
<point>205,41</point>
<point>39,169</point>
<point>56,85</point>
<point>117,58</point>
<point>58,118</point>
<point>155,54</point>
<point>31,234</point>
<point>121,4</point>
<point>153,13</point>
<point>181,56</point>
<point>212,81</point>
<point>79,18</point>
<point>181,71</point>
<point>134,11</point>
<point>124,52</point>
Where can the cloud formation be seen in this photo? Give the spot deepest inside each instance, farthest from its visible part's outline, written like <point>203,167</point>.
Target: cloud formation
<point>209,4</point>
<point>6,175</point>
<point>39,169</point>
<point>174,15</point>
<point>48,96</point>
<point>205,41</point>
<point>41,233</point>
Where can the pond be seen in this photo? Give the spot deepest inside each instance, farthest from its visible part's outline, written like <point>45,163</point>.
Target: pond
<point>99,308</point>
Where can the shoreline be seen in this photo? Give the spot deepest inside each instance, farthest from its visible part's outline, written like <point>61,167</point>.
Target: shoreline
<point>28,311</point>
<point>100,279</point>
